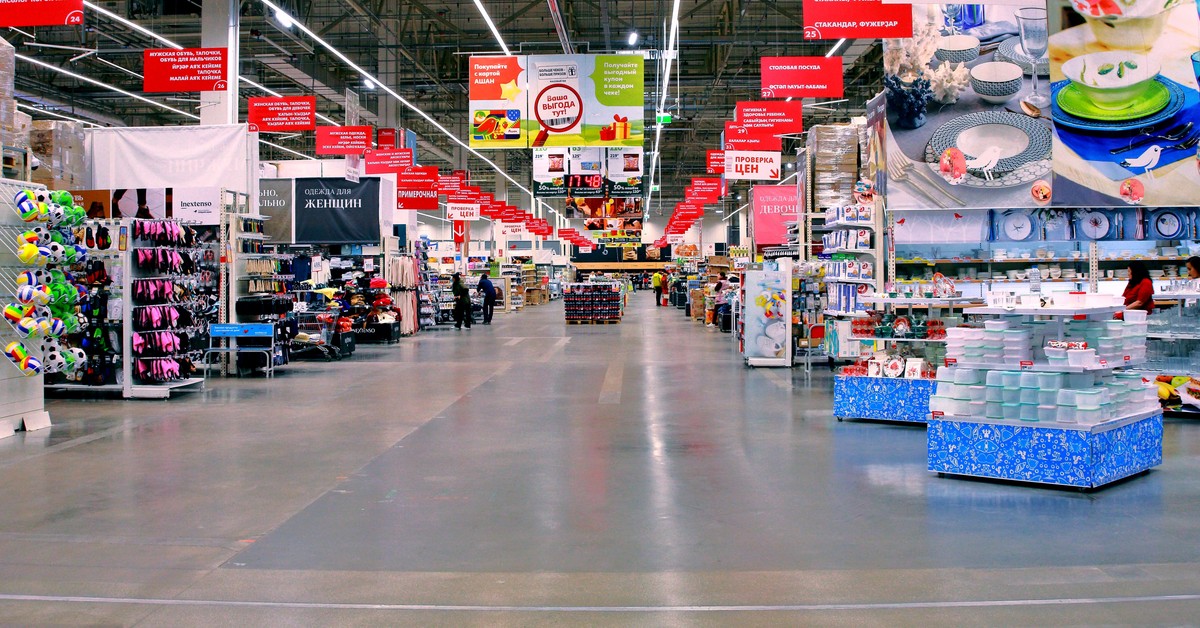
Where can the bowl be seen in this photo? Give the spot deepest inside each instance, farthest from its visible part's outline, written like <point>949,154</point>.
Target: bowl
<point>1133,33</point>
<point>1114,79</point>
<point>957,49</point>
<point>997,82</point>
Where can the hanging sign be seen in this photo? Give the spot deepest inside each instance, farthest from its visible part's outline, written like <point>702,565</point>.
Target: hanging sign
<point>186,70</point>
<point>343,140</point>
<point>623,172</point>
<point>856,19</point>
<point>705,190</point>
<point>777,116</point>
<point>386,161</point>
<point>550,166</point>
<point>449,184</point>
<point>774,205</point>
<point>715,162</point>
<point>741,137</point>
<point>460,230</point>
<point>385,138</point>
<point>800,77</point>
<point>336,211</point>
<point>282,114</point>
<point>496,90</point>
<point>41,12</point>
<point>416,189</point>
<point>585,178</point>
<point>752,165</point>
<point>201,206</point>
<point>462,211</point>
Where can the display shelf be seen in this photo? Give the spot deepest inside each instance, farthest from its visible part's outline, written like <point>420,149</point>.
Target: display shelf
<point>878,339</point>
<point>1048,311</point>
<point>99,388</point>
<point>1044,367</point>
<point>849,251</point>
<point>986,260</point>
<point>163,390</point>
<point>1107,424</point>
<point>1169,335</point>
<point>882,398</point>
<point>1061,454</point>
<point>884,300</point>
<point>869,282</point>
<point>857,314</point>
<point>830,226</point>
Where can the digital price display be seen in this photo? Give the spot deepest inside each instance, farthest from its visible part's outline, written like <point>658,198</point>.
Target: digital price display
<point>584,186</point>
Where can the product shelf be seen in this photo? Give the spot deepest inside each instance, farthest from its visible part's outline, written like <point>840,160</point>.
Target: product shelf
<point>884,300</point>
<point>1070,312</point>
<point>878,339</point>
<point>830,226</point>
<point>869,282</point>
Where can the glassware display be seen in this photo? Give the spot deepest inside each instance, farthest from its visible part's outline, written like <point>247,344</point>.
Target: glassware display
<point>1035,39</point>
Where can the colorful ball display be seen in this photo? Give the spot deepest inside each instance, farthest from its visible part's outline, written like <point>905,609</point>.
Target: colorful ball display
<point>27,278</point>
<point>28,253</point>
<point>55,214</point>
<point>16,351</point>
<point>62,197</point>
<point>25,294</point>
<point>29,327</point>
<point>14,312</point>
<point>30,366</point>
<point>27,237</point>
<point>54,328</point>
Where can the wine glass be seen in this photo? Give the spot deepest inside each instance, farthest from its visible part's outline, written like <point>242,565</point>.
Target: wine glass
<point>1035,39</point>
<point>953,16</point>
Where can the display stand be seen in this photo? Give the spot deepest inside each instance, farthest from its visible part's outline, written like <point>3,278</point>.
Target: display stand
<point>766,315</point>
<point>22,398</point>
<point>882,398</point>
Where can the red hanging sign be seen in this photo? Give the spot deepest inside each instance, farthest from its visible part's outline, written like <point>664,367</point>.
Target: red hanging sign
<point>803,77</point>
<point>385,138</point>
<point>186,70</point>
<point>459,229</point>
<point>416,189</point>
<point>282,114</point>
<point>705,190</point>
<point>343,140</point>
<point>777,116</point>
<point>388,160</point>
<point>856,19</point>
<point>41,13</point>
<point>741,137</point>
<point>716,162</point>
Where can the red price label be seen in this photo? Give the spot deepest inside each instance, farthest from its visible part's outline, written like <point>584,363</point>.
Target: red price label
<point>938,414</point>
<point>1103,363</point>
<point>1128,358</point>
<point>1026,364</point>
<point>951,361</point>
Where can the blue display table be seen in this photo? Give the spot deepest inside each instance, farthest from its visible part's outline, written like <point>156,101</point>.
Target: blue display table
<point>1064,454</point>
<point>882,398</point>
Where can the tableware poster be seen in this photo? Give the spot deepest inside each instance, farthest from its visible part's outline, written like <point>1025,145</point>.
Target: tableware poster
<point>1124,93</point>
<point>957,135</point>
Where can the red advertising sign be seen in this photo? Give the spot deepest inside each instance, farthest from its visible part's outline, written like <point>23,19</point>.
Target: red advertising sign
<point>856,19</point>
<point>706,190</point>
<point>774,205</point>
<point>741,137</point>
<point>41,12</point>
<point>777,116</point>
<point>716,162</point>
<point>801,77</point>
<point>449,184</point>
<point>283,114</point>
<point>385,138</point>
<point>186,70</point>
<point>416,189</point>
<point>343,140</point>
<point>388,160</point>
<point>459,229</point>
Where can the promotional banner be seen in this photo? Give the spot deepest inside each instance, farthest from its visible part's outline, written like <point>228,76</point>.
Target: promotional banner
<point>706,190</point>
<point>146,203</point>
<point>1125,104</point>
<point>275,202</point>
<point>385,161</point>
<point>715,162</point>
<point>460,230</point>
<point>282,114</point>
<point>201,206</point>
<point>777,116</point>
<point>774,205</point>
<point>186,70</point>
<point>385,138</point>
<point>623,172</point>
<point>343,140</point>
<point>497,91</point>
<point>416,189</point>
<point>856,19</point>
<point>585,172</point>
<point>801,77</point>
<point>587,100</point>
<point>336,211</point>
<point>752,165</point>
<point>741,137</point>
<point>603,207</point>
<point>462,211</point>
<point>550,172</point>
<point>767,317</point>
<point>41,12</point>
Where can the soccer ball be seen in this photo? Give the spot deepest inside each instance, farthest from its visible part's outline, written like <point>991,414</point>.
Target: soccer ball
<point>41,196</point>
<point>78,359</point>
<point>55,214</point>
<point>54,252</point>
<point>62,197</point>
<point>53,361</point>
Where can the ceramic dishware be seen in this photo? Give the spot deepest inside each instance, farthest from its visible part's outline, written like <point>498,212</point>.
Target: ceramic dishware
<point>957,49</point>
<point>997,82</point>
<point>1114,79</point>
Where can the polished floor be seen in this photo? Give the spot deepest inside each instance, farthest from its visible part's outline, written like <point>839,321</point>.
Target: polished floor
<point>533,473</point>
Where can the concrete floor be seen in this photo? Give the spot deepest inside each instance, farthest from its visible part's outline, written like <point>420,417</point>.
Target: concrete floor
<point>531,473</point>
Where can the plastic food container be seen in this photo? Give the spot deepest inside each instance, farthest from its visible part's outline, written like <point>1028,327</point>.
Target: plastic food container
<point>1029,379</point>
<point>1056,355</point>
<point>1047,397</point>
<point>1049,381</point>
<point>1089,399</point>
<point>945,373</point>
<point>1029,412</point>
<point>1029,395</point>
<point>947,389</point>
<point>1089,415</point>
<point>1081,380</point>
<point>1066,397</point>
<point>994,378</point>
<point>1011,411</point>
<point>1011,379</point>
<point>995,324</point>
<point>1081,357</point>
<point>977,393</point>
<point>967,376</point>
<point>977,408</point>
<point>993,410</point>
<point>993,393</point>
<point>1066,414</point>
<point>1047,413</point>
<point>1010,395</point>
<point>938,403</point>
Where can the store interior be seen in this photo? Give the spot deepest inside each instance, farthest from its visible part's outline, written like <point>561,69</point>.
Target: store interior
<point>673,312</point>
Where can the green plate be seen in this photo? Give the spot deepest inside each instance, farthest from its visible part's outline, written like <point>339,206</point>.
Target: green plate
<point>1152,100</point>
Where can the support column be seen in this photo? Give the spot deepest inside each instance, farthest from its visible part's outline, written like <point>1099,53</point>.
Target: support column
<point>219,29</point>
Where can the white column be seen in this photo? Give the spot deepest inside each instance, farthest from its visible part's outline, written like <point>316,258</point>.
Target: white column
<point>219,29</point>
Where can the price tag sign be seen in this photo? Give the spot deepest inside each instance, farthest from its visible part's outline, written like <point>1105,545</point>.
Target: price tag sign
<point>951,361</point>
<point>1128,359</point>
<point>1026,365</point>
<point>937,414</point>
<point>1103,363</point>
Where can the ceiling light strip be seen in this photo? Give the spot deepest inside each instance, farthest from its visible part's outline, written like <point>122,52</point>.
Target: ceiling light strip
<point>495,31</point>
<point>80,77</point>
<point>56,114</point>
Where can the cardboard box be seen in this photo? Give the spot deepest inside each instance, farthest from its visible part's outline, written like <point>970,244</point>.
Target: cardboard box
<point>60,147</point>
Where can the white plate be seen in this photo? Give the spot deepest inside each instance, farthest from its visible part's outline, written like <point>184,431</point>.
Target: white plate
<point>1094,225</point>
<point>1017,225</point>
<point>977,140</point>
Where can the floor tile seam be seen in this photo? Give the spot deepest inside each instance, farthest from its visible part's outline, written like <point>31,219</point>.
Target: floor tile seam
<point>210,542</point>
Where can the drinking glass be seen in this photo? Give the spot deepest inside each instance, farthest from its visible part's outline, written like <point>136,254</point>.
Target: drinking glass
<point>1196,65</point>
<point>1035,39</point>
<point>953,17</point>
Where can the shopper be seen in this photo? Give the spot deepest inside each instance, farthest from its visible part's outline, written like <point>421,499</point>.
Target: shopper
<point>462,302</point>
<point>656,282</point>
<point>489,298</point>
<point>1193,267</point>
<point>722,283</point>
<point>1139,292</point>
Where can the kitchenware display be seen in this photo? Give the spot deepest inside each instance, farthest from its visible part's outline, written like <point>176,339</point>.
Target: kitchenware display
<point>894,367</point>
<point>902,327</point>
<point>1015,140</point>
<point>1139,125</point>
<point>1128,24</point>
<point>1016,225</point>
<point>957,49</point>
<point>1074,100</point>
<point>1035,39</point>
<point>1168,224</point>
<point>997,82</point>
<point>1094,225</point>
<point>1010,50</point>
<point>1112,80</point>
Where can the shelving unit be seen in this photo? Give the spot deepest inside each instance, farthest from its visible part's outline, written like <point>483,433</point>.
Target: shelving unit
<point>22,398</point>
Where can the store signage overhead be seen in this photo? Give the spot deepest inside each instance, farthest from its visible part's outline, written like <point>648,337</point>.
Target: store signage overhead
<point>385,138</point>
<point>776,116</point>
<point>801,77</point>
<point>386,161</point>
<point>856,19</point>
<point>752,165</point>
<point>741,137</point>
<point>774,205</point>
<point>705,190</point>
<point>462,211</point>
<point>284,114</point>
<point>41,12</point>
<point>336,211</point>
<point>343,140</point>
<point>715,162</point>
<point>186,70</point>
<point>416,189</point>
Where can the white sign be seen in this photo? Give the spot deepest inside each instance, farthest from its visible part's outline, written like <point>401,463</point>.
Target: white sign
<point>512,229</point>
<point>462,211</point>
<point>353,108</point>
<point>674,238</point>
<point>586,249</point>
<point>200,206</point>
<point>354,168</point>
<point>752,165</point>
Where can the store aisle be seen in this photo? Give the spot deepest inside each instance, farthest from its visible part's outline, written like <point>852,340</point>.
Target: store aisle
<point>536,473</point>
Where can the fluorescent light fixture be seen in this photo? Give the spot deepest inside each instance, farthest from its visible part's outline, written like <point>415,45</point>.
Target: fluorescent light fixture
<point>495,31</point>
<point>55,114</point>
<point>633,37</point>
<point>285,149</point>
<point>80,77</point>
<point>833,51</point>
<point>283,18</point>
<point>368,84</point>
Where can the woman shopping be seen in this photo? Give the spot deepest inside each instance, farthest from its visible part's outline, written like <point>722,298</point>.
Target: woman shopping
<point>462,302</point>
<point>1139,292</point>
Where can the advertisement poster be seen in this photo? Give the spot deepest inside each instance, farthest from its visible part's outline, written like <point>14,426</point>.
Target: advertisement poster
<point>1123,92</point>
<point>623,172</point>
<point>497,92</point>
<point>774,206</point>
<point>603,207</point>
<point>416,189</point>
<point>141,203</point>
<point>282,114</point>
<point>343,140</point>
<point>275,202</point>
<point>41,13</point>
<point>587,100</point>
<point>801,77</point>
<point>768,317</point>
<point>95,202</point>
<point>550,172</point>
<point>336,211</point>
<point>186,70</point>
<point>752,165</point>
<point>200,206</point>
<point>963,143</point>
<point>856,19</point>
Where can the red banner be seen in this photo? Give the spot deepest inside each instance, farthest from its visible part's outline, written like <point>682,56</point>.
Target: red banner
<point>801,77</point>
<point>706,190</point>
<point>187,70</point>
<point>716,162</point>
<point>343,140</point>
<point>283,114</point>
<point>388,160</point>
<point>385,138</point>
<point>416,189</point>
<point>41,13</point>
<point>776,116</point>
<point>774,205</point>
<point>741,137</point>
<point>856,19</point>
<point>449,184</point>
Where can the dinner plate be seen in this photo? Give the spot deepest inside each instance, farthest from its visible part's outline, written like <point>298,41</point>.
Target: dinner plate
<point>1151,100</point>
<point>1010,50</point>
<point>1024,175</point>
<point>894,367</point>
<point>1168,224</point>
<point>1016,225</point>
<point>1117,126</point>
<point>1019,139</point>
<point>1094,225</point>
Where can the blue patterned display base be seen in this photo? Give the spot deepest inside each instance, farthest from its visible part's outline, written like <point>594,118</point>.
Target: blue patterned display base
<point>1043,453</point>
<point>882,398</point>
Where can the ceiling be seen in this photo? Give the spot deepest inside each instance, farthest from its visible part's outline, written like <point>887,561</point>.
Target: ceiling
<point>420,49</point>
